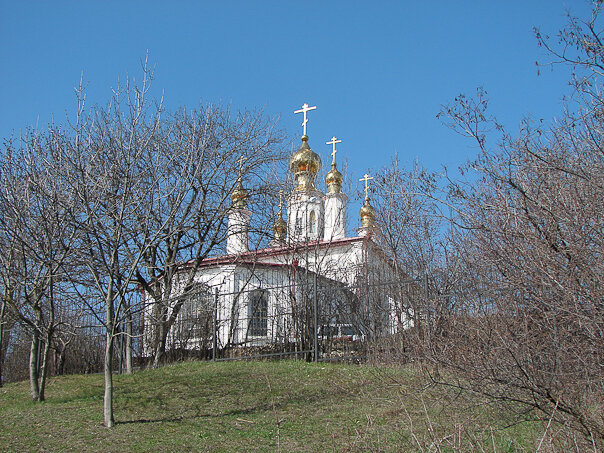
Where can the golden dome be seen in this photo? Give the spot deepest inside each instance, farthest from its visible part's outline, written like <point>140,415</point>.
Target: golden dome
<point>280,228</point>
<point>305,164</point>
<point>239,195</point>
<point>367,215</point>
<point>334,179</point>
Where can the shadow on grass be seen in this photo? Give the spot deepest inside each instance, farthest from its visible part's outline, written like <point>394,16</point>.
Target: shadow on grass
<point>235,412</point>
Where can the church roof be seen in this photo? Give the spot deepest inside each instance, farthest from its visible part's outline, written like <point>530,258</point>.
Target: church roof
<point>253,256</point>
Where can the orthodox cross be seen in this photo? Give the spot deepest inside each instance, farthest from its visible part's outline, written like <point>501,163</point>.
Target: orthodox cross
<point>305,108</point>
<point>333,142</point>
<point>240,161</point>
<point>280,200</point>
<point>366,178</point>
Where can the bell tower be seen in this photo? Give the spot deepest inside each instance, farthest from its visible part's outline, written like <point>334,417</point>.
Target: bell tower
<point>335,200</point>
<point>239,220</point>
<point>305,209</point>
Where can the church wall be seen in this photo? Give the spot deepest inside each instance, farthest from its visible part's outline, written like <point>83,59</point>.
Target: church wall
<point>236,289</point>
<point>358,265</point>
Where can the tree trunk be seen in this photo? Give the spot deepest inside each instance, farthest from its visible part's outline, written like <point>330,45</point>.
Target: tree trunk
<point>108,398</point>
<point>128,341</point>
<point>61,361</point>
<point>33,365</point>
<point>159,351</point>
<point>45,357</point>
<point>47,345</point>
<point>160,347</point>
<point>2,311</point>
<point>167,321</point>
<point>108,368</point>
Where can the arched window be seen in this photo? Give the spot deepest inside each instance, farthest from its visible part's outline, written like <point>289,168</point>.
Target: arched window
<point>312,221</point>
<point>196,314</point>
<point>258,312</point>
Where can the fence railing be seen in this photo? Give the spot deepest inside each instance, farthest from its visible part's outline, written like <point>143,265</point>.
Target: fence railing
<point>311,318</point>
<point>314,318</point>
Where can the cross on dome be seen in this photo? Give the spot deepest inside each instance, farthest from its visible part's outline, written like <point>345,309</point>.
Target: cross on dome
<point>305,108</point>
<point>366,178</point>
<point>333,142</point>
<point>240,161</point>
<point>280,200</point>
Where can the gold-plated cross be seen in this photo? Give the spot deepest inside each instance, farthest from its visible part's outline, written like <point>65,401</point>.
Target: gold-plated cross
<point>305,108</point>
<point>240,161</point>
<point>366,178</point>
<point>280,200</point>
<point>333,142</point>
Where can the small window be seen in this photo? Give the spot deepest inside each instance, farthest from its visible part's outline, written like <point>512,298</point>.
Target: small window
<point>347,330</point>
<point>258,313</point>
<point>298,226</point>
<point>312,220</point>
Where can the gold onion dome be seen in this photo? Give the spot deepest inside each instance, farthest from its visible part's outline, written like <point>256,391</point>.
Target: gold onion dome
<point>280,228</point>
<point>334,179</point>
<point>367,215</point>
<point>305,164</point>
<point>239,195</point>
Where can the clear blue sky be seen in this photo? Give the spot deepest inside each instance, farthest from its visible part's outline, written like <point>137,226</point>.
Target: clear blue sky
<point>378,71</point>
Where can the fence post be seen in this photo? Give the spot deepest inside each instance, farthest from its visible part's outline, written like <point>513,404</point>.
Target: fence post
<point>315,321</point>
<point>215,325</point>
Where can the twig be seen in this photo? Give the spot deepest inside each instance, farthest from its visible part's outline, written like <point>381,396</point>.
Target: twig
<point>278,421</point>
<point>547,427</point>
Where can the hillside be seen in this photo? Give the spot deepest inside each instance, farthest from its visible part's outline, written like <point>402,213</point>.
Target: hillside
<point>255,406</point>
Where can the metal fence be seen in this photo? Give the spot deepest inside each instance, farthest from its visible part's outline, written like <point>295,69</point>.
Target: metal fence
<point>310,317</point>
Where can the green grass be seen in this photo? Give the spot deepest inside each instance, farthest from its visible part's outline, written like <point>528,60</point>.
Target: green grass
<point>255,406</point>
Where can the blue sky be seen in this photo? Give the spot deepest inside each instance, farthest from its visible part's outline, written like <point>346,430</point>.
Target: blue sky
<point>377,71</point>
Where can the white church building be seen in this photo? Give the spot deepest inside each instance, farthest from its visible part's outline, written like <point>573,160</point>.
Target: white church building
<point>311,277</point>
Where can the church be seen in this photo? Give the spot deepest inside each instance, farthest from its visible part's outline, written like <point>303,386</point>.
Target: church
<point>311,285</point>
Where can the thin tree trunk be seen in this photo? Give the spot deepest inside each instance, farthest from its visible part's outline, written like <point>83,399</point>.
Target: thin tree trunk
<point>61,362</point>
<point>33,365</point>
<point>108,398</point>
<point>160,348</point>
<point>49,333</point>
<point>2,312</point>
<point>120,349</point>
<point>108,367</point>
<point>128,341</point>
<point>45,357</point>
<point>159,351</point>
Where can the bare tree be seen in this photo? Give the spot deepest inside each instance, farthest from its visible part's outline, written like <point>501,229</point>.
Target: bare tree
<point>152,191</point>
<point>108,160</point>
<point>7,321</point>
<point>7,318</point>
<point>39,241</point>
<point>530,327</point>
<point>416,234</point>
<point>197,158</point>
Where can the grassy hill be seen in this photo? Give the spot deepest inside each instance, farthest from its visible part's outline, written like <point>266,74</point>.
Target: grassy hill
<point>256,406</point>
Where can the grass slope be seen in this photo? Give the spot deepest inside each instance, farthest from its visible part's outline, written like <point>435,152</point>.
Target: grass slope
<point>254,406</point>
